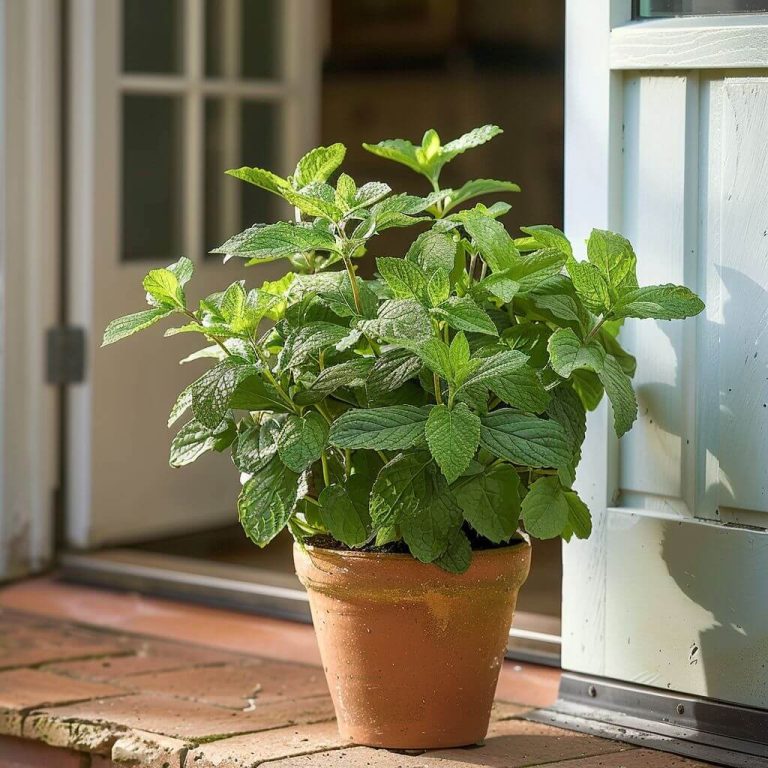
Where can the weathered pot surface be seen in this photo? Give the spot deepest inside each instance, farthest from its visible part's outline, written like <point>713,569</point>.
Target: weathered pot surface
<point>411,652</point>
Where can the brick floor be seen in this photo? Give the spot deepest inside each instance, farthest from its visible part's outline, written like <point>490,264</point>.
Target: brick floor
<point>99,696</point>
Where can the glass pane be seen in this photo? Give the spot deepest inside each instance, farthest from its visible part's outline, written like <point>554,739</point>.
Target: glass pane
<point>237,133</point>
<point>650,9</point>
<point>242,38</point>
<point>152,178</point>
<point>152,36</point>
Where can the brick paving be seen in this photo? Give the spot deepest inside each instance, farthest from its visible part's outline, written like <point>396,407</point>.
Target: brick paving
<point>74,696</point>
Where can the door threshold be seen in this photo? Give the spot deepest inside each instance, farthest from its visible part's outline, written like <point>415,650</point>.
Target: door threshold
<point>691,726</point>
<point>535,638</point>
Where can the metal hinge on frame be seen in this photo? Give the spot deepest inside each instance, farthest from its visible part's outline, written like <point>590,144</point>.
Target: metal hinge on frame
<point>65,355</point>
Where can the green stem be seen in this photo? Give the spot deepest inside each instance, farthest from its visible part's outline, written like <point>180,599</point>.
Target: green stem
<point>353,282</point>
<point>383,457</point>
<point>326,473</point>
<point>273,381</point>
<point>217,339</point>
<point>438,393</point>
<point>591,335</point>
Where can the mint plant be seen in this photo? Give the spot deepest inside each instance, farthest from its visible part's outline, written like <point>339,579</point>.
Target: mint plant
<point>433,409</point>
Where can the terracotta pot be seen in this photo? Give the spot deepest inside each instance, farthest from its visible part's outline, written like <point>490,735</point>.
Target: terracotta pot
<point>412,653</point>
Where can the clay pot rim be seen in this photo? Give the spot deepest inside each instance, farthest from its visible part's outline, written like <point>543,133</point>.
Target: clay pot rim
<point>524,543</point>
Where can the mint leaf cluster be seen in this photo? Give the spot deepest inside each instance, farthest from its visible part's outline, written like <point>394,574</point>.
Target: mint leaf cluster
<point>442,402</point>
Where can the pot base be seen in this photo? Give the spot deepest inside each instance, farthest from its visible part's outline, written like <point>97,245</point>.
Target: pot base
<point>412,653</point>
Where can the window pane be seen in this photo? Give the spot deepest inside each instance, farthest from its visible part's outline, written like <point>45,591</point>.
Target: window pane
<point>649,9</point>
<point>237,133</point>
<point>151,178</point>
<point>257,25</point>
<point>152,36</point>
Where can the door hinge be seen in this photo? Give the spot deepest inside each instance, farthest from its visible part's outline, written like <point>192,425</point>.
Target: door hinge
<point>65,355</point>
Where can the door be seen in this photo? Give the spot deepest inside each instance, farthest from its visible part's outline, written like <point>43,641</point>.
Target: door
<point>164,96</point>
<point>665,142</point>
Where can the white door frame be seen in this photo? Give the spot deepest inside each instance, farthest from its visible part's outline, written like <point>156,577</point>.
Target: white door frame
<point>601,48</point>
<point>29,271</point>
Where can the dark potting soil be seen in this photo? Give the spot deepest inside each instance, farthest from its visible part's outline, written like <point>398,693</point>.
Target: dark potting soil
<point>477,541</point>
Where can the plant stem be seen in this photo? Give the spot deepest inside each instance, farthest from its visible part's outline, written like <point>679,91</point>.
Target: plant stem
<point>438,393</point>
<point>326,473</point>
<point>273,381</point>
<point>193,317</point>
<point>353,282</point>
<point>596,328</point>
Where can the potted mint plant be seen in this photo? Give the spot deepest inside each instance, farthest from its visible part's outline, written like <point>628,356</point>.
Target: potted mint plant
<point>412,430</point>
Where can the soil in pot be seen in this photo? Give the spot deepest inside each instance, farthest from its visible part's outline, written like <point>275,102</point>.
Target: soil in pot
<point>411,652</point>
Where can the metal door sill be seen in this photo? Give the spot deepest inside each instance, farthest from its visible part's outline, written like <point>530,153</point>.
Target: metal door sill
<point>704,729</point>
<point>535,638</point>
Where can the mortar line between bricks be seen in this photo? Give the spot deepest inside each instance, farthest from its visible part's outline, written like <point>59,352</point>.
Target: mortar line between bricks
<point>628,748</point>
<point>24,711</point>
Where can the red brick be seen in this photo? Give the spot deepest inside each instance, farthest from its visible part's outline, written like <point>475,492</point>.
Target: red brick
<point>101,721</point>
<point>254,748</point>
<point>21,753</point>
<point>236,686</point>
<point>637,758</point>
<point>528,684</point>
<point>24,689</point>
<point>147,656</point>
<point>148,750</point>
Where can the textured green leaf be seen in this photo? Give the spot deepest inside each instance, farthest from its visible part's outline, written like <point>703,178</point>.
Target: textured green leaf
<point>459,353</point>
<point>491,238</point>
<point>432,251</point>
<point>256,445</point>
<point>579,517</point>
<point>256,394</point>
<point>130,324</point>
<point>525,440</point>
<point>302,440</point>
<point>663,302</point>
<point>458,554</point>
<point>545,509</point>
<point>399,318</point>
<point>341,516</point>
<point>547,236</point>
<point>473,138</point>
<point>194,439</point>
<point>212,392</point>
<point>588,387</point>
<point>337,293</point>
<point>590,284</point>
<point>462,313</point>
<point>433,352</point>
<point>307,341</point>
<point>369,194</point>
<point>402,484</point>
<point>568,353</point>
<point>499,284</point>
<point>316,199</point>
<point>498,365</point>
<point>352,373</point>
<point>398,150</point>
<point>394,427</point>
<point>406,279</point>
<point>566,408</point>
<point>475,188</point>
<point>261,178</point>
<point>183,269</point>
<point>618,387</point>
<point>612,254</point>
<point>318,164</point>
<point>438,287</point>
<point>556,298</point>
<point>279,240</point>
<point>453,435</point>
<point>490,502</point>
<point>537,268</point>
<point>391,370</point>
<point>268,500</point>
<point>521,389</point>
<point>163,289</point>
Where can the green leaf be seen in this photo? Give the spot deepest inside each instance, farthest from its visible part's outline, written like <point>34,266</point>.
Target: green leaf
<point>432,251</point>
<point>433,352</point>
<point>459,353</point>
<point>590,284</point>
<point>520,388</point>
<point>316,199</point>
<point>369,194</point>
<point>462,313</point>
<point>163,289</point>
<point>402,484</point>
<point>566,408</point>
<point>618,387</point>
<point>352,373</point>
<point>341,516</point>
<point>255,394</point>
<point>588,387</point>
<point>490,502</point>
<point>537,268</point>
<point>493,241</point>
<point>337,293</point>
<point>612,254</point>
<point>545,509</point>
<point>473,138</point>
<point>404,318</point>
<point>265,242</point>
<point>212,392</point>
<point>302,440</point>
<point>579,517</point>
<point>398,150</point>
<point>256,445</point>
<point>405,278</point>
<point>261,178</point>
<point>525,440</point>
<point>183,269</point>
<point>568,353</point>
<point>453,435</point>
<point>458,554</point>
<point>438,287</point>
<point>307,341</point>
<point>194,439</point>
<point>547,236</point>
<point>499,284</point>
<point>474,189</point>
<point>268,499</point>
<point>663,302</point>
<point>318,164</point>
<point>428,526</point>
<point>394,427</point>
<point>496,366</point>
<point>130,324</point>
<point>391,370</point>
